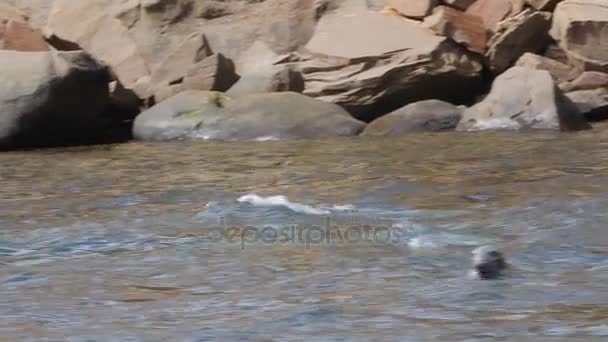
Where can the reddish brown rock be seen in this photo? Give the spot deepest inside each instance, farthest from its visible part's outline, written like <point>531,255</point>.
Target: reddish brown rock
<point>491,11</point>
<point>413,8</point>
<point>463,28</point>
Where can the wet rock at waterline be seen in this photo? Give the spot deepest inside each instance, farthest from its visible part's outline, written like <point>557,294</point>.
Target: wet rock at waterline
<point>423,116</point>
<point>50,98</point>
<point>200,115</point>
<point>523,98</point>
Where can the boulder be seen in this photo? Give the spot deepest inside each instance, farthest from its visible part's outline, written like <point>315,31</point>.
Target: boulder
<point>526,32</point>
<point>200,115</point>
<point>591,103</point>
<point>416,9</point>
<point>559,71</point>
<point>466,29</point>
<point>588,80</point>
<point>50,98</point>
<point>140,39</point>
<point>581,28</point>
<point>491,11</point>
<point>523,98</point>
<point>423,116</point>
<point>371,77</point>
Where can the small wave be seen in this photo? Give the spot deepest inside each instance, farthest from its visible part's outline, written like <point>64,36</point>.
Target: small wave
<point>282,201</point>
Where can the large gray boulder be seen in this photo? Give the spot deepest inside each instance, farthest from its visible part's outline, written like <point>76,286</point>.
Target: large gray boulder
<point>200,115</point>
<point>581,28</point>
<point>372,63</point>
<point>423,116</point>
<point>50,97</point>
<point>523,98</point>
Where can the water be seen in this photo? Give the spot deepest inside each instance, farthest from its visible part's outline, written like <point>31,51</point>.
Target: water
<point>338,240</point>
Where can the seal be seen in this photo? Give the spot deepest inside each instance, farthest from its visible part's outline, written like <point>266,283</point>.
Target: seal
<point>488,263</point>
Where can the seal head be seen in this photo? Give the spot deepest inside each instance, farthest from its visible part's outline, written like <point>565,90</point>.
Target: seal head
<point>488,262</point>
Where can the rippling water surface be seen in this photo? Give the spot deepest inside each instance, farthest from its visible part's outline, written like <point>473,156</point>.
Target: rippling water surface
<point>341,240</point>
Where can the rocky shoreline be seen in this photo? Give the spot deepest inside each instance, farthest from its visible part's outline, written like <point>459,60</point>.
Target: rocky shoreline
<point>97,71</point>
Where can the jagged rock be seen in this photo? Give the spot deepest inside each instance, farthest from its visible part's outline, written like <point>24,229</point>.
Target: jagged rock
<point>50,97</point>
<point>370,76</point>
<point>466,29</point>
<point>10,12</point>
<point>199,115</point>
<point>417,9</point>
<point>274,78</point>
<point>37,11</point>
<point>260,74</point>
<point>491,11</point>
<point>559,71</point>
<point>591,103</point>
<point>19,36</point>
<point>543,5</point>
<point>137,38</point>
<point>588,80</point>
<point>581,28</point>
<point>16,34</point>
<point>526,32</point>
<point>214,72</point>
<point>459,4</point>
<point>523,98</point>
<point>423,116</point>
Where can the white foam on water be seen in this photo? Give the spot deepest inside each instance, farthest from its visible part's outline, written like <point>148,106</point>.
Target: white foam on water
<point>281,201</point>
<point>344,207</point>
<point>422,243</point>
<point>267,138</point>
